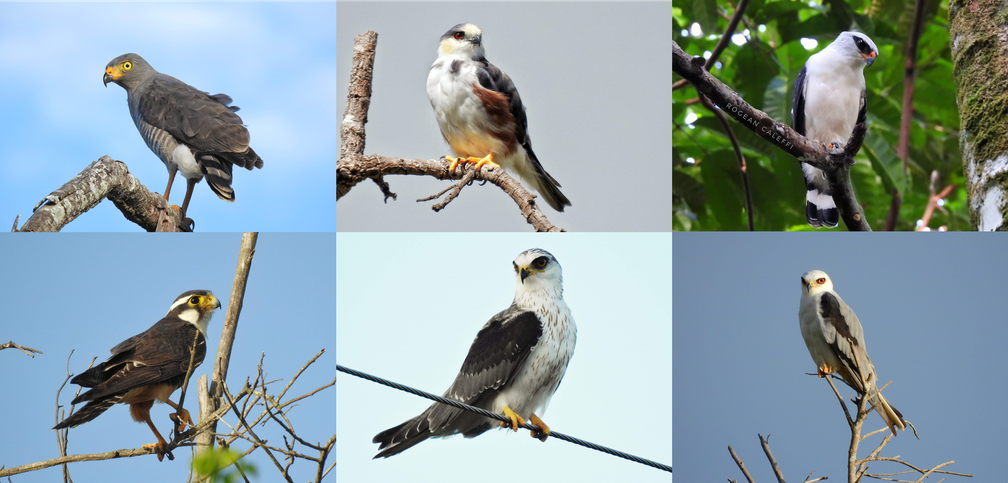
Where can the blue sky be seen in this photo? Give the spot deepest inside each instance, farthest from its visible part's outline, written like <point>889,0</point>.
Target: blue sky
<point>933,316</point>
<point>88,292</point>
<point>595,86</point>
<point>276,60</point>
<point>409,306</point>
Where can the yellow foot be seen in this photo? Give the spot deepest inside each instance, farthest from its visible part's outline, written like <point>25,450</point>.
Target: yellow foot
<point>470,159</point>
<point>516,420</point>
<point>182,418</point>
<point>177,208</point>
<point>824,372</point>
<point>159,447</point>
<point>544,430</point>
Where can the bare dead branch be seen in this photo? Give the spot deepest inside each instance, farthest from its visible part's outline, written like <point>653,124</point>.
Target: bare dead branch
<point>104,178</point>
<point>741,465</point>
<point>246,251</point>
<point>354,167</point>
<point>765,443</point>
<point>27,350</point>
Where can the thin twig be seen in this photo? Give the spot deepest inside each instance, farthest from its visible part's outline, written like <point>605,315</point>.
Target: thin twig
<point>765,443</point>
<point>26,350</point>
<point>741,465</point>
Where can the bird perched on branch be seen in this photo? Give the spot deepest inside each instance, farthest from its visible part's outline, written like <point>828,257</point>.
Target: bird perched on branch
<point>836,342</point>
<point>829,100</point>
<point>149,367</point>
<point>481,115</point>
<point>188,129</point>
<point>514,365</point>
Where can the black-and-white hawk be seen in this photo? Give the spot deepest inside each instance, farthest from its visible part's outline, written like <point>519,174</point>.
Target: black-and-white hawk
<point>189,130</point>
<point>836,342</point>
<point>149,367</point>
<point>481,115</point>
<point>829,100</point>
<point>513,367</point>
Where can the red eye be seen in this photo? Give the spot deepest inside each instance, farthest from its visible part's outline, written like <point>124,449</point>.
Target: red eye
<point>459,35</point>
<point>820,281</point>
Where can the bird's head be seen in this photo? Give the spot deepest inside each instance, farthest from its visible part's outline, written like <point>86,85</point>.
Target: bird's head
<point>464,40</point>
<point>195,307</point>
<point>815,281</point>
<point>856,47</point>
<point>536,268</point>
<point>127,70</point>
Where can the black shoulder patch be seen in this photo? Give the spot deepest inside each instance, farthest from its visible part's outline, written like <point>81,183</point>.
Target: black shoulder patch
<point>829,308</point>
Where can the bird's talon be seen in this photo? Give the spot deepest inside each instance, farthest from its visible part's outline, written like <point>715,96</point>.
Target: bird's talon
<point>543,432</point>
<point>516,420</point>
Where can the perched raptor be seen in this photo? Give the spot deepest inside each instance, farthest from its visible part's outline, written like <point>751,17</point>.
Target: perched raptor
<point>514,365</point>
<point>835,340</point>
<point>480,113</point>
<point>148,367</point>
<point>829,100</point>
<point>190,130</point>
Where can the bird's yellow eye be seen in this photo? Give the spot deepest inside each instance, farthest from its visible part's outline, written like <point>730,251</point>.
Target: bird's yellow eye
<point>515,266</point>
<point>194,300</point>
<point>127,65</point>
<point>820,281</point>
<point>540,262</point>
<point>459,35</point>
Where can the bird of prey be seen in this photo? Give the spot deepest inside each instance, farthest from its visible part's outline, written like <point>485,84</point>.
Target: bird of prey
<point>149,366</point>
<point>514,365</point>
<point>481,115</point>
<point>188,129</point>
<point>836,342</point>
<point>829,100</point>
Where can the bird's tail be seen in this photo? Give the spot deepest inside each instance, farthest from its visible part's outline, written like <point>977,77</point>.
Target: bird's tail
<point>217,171</point>
<point>90,411</point>
<point>400,438</point>
<point>890,415</point>
<point>820,208</point>
<point>542,182</point>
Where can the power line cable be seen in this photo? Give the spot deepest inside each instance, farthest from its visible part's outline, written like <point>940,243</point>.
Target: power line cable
<point>502,418</point>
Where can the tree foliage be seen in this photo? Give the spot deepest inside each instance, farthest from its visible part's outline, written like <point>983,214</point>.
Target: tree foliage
<point>761,64</point>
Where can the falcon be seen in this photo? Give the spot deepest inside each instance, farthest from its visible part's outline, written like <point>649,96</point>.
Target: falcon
<point>514,365</point>
<point>149,367</point>
<point>835,340</point>
<point>188,129</point>
<point>481,115</point>
<point>829,100</point>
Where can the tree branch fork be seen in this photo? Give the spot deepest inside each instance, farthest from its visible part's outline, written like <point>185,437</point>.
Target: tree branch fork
<point>354,167</point>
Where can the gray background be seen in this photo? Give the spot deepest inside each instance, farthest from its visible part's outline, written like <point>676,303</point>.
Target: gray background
<point>932,308</point>
<point>594,79</point>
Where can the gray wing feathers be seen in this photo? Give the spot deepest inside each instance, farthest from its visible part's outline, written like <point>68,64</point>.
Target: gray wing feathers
<point>206,123</point>
<point>492,78</point>
<point>844,333</point>
<point>500,349</point>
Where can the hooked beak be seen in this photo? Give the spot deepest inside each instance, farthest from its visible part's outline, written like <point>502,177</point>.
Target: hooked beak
<point>869,58</point>
<point>111,74</point>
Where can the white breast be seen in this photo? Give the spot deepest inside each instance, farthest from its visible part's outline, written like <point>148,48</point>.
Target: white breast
<point>538,379</point>
<point>463,121</point>
<point>832,99</point>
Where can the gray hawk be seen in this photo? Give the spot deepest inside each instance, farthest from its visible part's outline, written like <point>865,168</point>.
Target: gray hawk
<point>149,366</point>
<point>190,130</point>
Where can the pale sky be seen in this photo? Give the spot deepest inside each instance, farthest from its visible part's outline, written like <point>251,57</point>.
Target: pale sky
<point>409,306</point>
<point>276,60</point>
<point>933,317</point>
<point>594,80</point>
<point>88,292</point>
